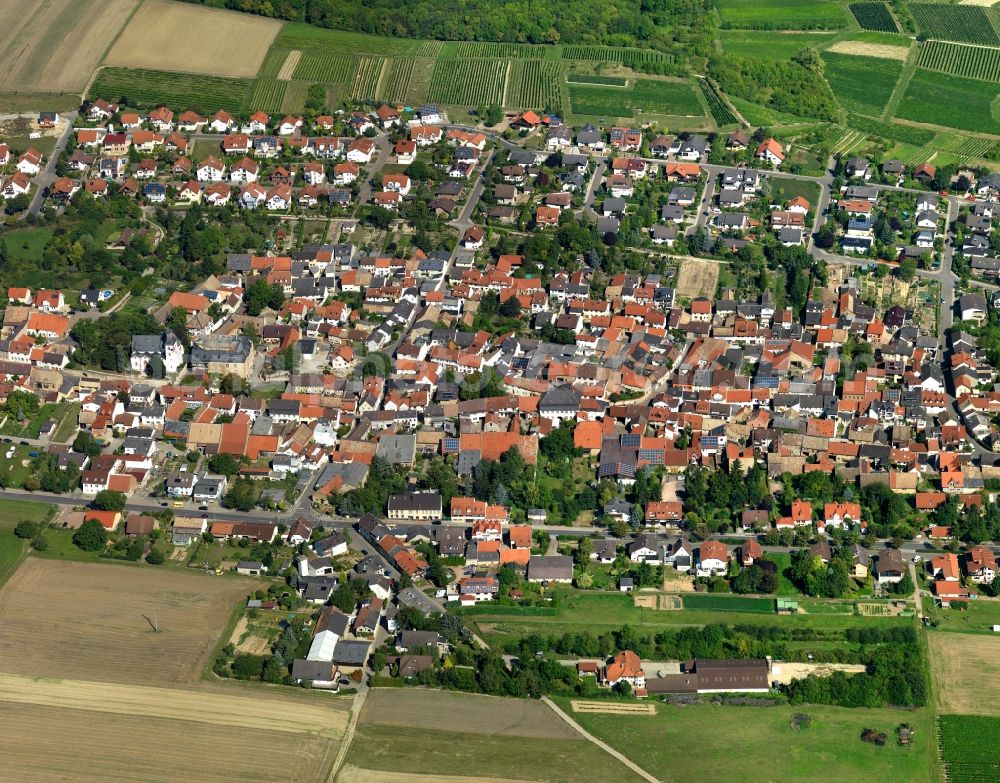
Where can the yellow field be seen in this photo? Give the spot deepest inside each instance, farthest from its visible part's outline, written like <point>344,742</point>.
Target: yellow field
<point>55,45</point>
<point>966,671</point>
<point>865,49</point>
<point>89,621</point>
<point>171,36</point>
<point>697,277</point>
<point>464,712</point>
<point>351,774</point>
<point>613,708</point>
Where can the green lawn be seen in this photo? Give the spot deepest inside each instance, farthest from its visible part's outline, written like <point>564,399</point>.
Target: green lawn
<point>650,96</point>
<point>422,750</point>
<point>762,115</point>
<point>978,618</point>
<point>781,14</point>
<point>769,44</point>
<point>577,611</point>
<point>950,101</point>
<point>67,427</point>
<point>758,743</point>
<point>782,559</point>
<point>26,244</point>
<point>13,470</point>
<point>12,549</point>
<point>787,189</point>
<point>727,603</point>
<point>862,84</point>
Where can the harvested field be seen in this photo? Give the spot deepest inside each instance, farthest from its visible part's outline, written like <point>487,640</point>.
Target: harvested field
<point>56,45</point>
<point>157,749</point>
<point>613,707</point>
<point>465,712</point>
<point>181,37</point>
<point>966,672</point>
<point>290,64</point>
<point>697,277</point>
<point>107,607</point>
<point>351,774</point>
<point>865,49</point>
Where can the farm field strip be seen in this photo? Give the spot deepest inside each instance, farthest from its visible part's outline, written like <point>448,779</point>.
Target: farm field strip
<point>290,64</point>
<point>326,67</point>
<point>949,101</point>
<point>267,95</point>
<point>874,16</point>
<point>536,84</point>
<point>211,707</point>
<point>397,81</point>
<point>612,708</point>
<point>179,91</point>
<point>781,14</point>
<point>861,84</point>
<point>968,23</point>
<point>970,61</point>
<point>970,747</point>
<point>468,82</point>
<point>966,672</point>
<point>368,77</point>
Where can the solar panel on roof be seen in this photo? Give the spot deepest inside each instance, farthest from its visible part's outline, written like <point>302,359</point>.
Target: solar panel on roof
<point>631,439</point>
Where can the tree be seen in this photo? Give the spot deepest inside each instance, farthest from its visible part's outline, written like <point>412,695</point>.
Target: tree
<point>91,536</point>
<point>907,269</point>
<point>85,443</point>
<point>109,500</point>
<point>511,308</point>
<point>177,323</point>
<point>225,464</point>
<point>21,405</point>
<point>25,529</point>
<point>155,556</point>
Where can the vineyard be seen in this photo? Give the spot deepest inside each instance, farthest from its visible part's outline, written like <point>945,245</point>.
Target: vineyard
<point>146,87</point>
<point>963,146</point>
<point>267,95</point>
<point>949,101</point>
<point>586,78</point>
<point>536,84</point>
<point>615,54</point>
<point>367,78</point>
<point>398,81</point>
<point>321,67</point>
<point>970,748</point>
<point>721,112</point>
<point>967,23</point>
<point>271,66</point>
<point>468,82</point>
<point>874,16</point>
<point>295,97</point>
<point>861,84</point>
<point>498,51</point>
<point>972,62</point>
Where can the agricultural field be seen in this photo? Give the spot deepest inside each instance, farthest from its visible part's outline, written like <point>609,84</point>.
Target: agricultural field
<point>828,749</point>
<point>12,548</point>
<point>469,82</point>
<point>109,607</point>
<point>651,96</point>
<point>769,44</point>
<point>531,755</point>
<point>968,23</point>
<point>781,14</point>
<point>536,83</point>
<point>972,62</point>
<point>79,31</point>
<point>625,55</point>
<point>179,91</point>
<point>725,603</point>
<point>970,747</point>
<point>267,95</point>
<point>861,84</point>
<point>267,736</point>
<point>367,78</point>
<point>455,711</point>
<point>397,82</point>
<point>874,16</point>
<point>721,113</point>
<point>172,36</point>
<point>587,78</point>
<point>697,277</point>
<point>306,38</point>
<point>880,50</point>
<point>317,66</point>
<point>596,100</point>
<point>950,101</point>
<point>966,672</point>
<point>499,51</point>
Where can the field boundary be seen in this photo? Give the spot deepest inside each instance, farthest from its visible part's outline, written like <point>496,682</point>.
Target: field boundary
<point>613,707</point>
<point>289,65</point>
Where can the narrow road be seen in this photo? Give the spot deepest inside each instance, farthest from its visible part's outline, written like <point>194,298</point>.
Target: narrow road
<point>917,602</point>
<point>600,743</point>
<point>48,175</point>
<point>352,725</point>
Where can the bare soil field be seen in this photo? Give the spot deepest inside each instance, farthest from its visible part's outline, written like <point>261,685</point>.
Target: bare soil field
<point>54,745</point>
<point>55,45</point>
<point>172,36</point>
<point>290,64</point>
<point>966,672</point>
<point>464,712</point>
<point>613,708</point>
<point>697,277</point>
<point>351,774</point>
<point>89,621</point>
<point>786,672</point>
<point>865,49</point>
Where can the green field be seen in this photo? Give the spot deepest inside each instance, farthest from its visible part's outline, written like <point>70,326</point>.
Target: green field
<point>536,84</point>
<point>979,617</point>
<point>756,114</point>
<point>781,14</point>
<point>950,101</point>
<point>645,96</point>
<point>972,62</point>
<point>874,16</point>
<point>968,23</point>
<point>26,244</point>
<point>719,109</point>
<point>144,87</point>
<point>423,750</point>
<point>305,37</point>
<point>588,78</point>
<point>267,95</point>
<point>970,747</point>
<point>726,603</point>
<point>784,190</point>
<point>862,84</point>
<point>469,82</point>
<point>769,44</point>
<point>12,549</point>
<point>731,741</point>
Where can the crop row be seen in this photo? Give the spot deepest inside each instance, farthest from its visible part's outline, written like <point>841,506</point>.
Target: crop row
<point>267,95</point>
<point>615,54</point>
<point>874,16</point>
<point>973,62</point>
<point>536,84</point>
<point>969,747</point>
<point>967,23</point>
<point>367,77</point>
<point>498,50</point>
<point>721,112</point>
<point>316,66</point>
<point>398,81</point>
<point>468,82</point>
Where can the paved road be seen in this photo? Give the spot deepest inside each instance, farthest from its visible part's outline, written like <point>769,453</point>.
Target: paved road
<point>48,175</point>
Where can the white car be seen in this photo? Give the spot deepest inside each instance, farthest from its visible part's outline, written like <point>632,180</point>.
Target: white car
<point>917,558</point>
